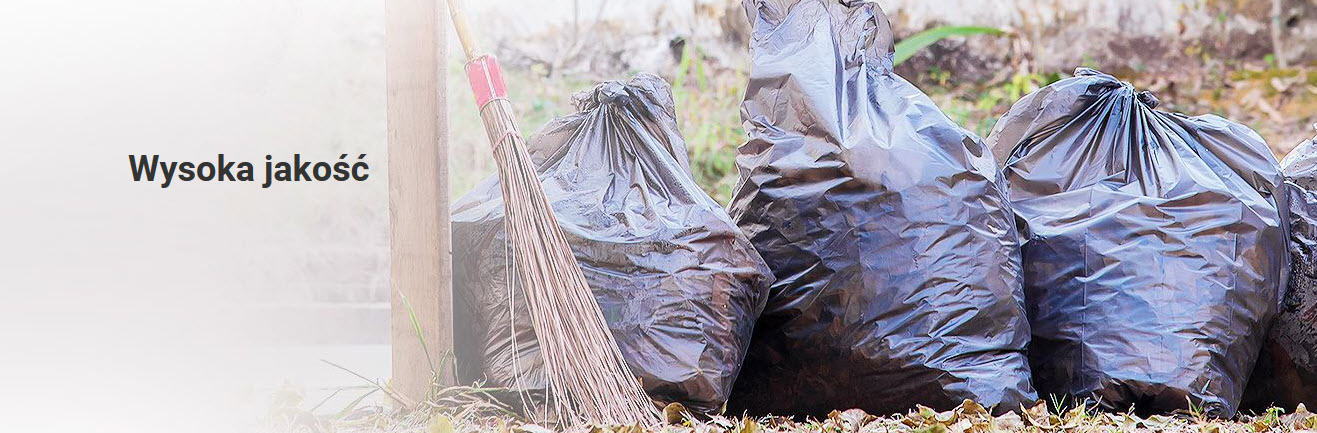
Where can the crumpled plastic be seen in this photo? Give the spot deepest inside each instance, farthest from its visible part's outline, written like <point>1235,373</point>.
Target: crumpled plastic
<point>1154,245</point>
<point>887,225</point>
<point>678,283</point>
<point>1286,372</point>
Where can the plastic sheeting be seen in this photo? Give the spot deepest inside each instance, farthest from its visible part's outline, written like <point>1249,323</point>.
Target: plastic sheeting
<point>678,283</point>
<point>886,224</point>
<point>1154,253</point>
<point>1286,374</point>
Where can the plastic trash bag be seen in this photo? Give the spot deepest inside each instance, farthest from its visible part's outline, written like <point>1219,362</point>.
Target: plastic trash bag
<point>1154,252</point>
<point>1286,373</point>
<point>678,283</point>
<point>886,224</point>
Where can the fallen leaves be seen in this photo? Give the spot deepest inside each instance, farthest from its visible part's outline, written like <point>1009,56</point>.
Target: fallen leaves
<point>969,417</point>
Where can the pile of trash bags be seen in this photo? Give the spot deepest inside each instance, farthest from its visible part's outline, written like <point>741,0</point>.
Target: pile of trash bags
<point>1154,245</point>
<point>1286,373</point>
<point>878,256</point>
<point>886,225</point>
<point>678,284</point>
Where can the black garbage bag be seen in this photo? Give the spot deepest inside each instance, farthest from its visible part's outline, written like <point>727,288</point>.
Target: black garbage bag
<point>1153,245</point>
<point>679,284</point>
<point>888,228</point>
<point>1286,373</point>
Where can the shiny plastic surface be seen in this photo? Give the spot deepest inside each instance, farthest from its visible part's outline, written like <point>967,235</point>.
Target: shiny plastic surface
<point>1154,252</point>
<point>886,224</point>
<point>678,283</point>
<point>1286,374</point>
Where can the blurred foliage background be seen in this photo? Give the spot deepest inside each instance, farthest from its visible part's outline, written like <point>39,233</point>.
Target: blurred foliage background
<point>1236,66</point>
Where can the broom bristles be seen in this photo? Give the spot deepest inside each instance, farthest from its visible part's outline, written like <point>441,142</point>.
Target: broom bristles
<point>588,380</point>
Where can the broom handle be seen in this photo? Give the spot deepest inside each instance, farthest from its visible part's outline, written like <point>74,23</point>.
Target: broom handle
<point>468,41</point>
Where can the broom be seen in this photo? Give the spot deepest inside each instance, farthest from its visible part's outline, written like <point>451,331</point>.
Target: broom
<point>588,381</point>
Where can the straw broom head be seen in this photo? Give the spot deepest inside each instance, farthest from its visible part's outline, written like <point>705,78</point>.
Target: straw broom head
<point>588,379</point>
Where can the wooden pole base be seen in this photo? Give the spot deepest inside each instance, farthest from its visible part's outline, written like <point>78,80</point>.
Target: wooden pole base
<point>420,252</point>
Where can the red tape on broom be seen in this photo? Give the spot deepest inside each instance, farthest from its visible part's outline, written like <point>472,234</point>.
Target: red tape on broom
<point>486,79</point>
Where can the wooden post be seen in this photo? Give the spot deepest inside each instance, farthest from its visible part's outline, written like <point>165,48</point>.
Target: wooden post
<point>420,253</point>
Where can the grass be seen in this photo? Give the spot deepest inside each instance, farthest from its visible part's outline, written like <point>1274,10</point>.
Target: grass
<point>908,47</point>
<point>708,113</point>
